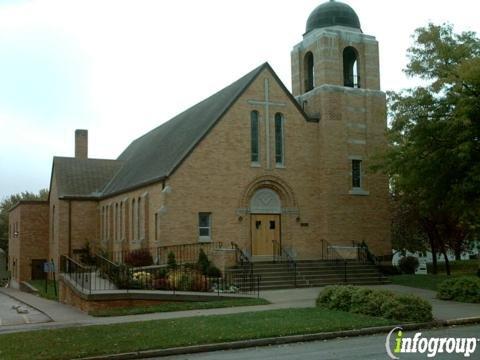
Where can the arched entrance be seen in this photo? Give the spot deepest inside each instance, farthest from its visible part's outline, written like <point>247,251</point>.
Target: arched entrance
<point>265,217</point>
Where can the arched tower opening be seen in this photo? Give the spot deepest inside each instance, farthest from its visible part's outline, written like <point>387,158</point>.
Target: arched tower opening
<point>351,76</point>
<point>309,71</point>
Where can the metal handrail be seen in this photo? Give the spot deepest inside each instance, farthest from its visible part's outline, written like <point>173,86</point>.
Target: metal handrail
<point>281,253</point>
<point>240,256</point>
<point>78,273</point>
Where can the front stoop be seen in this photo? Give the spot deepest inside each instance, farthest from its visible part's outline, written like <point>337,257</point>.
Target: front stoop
<point>312,273</point>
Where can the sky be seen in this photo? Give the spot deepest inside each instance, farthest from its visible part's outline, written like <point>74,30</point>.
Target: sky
<point>119,68</point>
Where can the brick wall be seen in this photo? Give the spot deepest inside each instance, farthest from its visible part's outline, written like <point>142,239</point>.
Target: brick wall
<point>32,240</point>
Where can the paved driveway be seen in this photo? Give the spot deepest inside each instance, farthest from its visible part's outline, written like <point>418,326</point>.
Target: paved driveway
<point>10,316</point>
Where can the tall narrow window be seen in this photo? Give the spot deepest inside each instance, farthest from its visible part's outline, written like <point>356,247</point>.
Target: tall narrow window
<point>279,156</point>
<point>356,173</point>
<point>156,227</point>
<point>121,222</point>
<point>254,136</point>
<point>53,223</point>
<point>204,226</point>
<point>133,212</point>
<point>309,72</point>
<point>139,217</point>
<point>350,67</point>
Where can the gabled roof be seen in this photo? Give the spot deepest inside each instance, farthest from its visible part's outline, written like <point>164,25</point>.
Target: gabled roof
<point>155,155</point>
<point>158,153</point>
<point>82,178</point>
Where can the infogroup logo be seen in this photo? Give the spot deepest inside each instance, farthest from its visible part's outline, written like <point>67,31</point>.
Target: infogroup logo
<point>430,346</point>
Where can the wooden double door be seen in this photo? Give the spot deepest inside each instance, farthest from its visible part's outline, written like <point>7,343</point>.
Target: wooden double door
<point>265,229</point>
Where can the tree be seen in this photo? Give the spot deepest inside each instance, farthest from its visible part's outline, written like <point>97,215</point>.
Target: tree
<point>434,155</point>
<point>7,203</point>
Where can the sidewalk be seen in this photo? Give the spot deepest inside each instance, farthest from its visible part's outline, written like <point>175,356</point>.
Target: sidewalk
<point>65,316</point>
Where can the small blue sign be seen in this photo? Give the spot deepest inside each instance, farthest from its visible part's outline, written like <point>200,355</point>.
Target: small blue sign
<point>48,267</point>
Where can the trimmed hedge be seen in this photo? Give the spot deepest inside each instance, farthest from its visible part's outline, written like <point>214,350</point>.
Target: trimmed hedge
<point>380,303</point>
<point>463,289</point>
<point>408,264</point>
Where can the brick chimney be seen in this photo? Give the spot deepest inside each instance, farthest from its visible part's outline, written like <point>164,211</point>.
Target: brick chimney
<point>81,144</point>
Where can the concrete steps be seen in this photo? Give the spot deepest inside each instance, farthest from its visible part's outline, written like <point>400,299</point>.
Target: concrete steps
<point>311,273</point>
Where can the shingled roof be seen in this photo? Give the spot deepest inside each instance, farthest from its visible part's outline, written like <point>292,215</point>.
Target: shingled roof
<point>83,178</point>
<point>158,153</point>
<point>155,155</point>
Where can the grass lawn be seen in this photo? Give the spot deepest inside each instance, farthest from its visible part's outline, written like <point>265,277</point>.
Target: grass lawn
<point>40,286</point>
<point>178,307</point>
<point>107,339</point>
<point>429,282</point>
<point>465,267</point>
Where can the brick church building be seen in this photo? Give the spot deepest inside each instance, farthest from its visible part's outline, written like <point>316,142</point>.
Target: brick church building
<point>252,164</point>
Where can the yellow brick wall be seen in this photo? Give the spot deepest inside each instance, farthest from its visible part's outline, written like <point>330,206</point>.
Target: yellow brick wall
<point>32,240</point>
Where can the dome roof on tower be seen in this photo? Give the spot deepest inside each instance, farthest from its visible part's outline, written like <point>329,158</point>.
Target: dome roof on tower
<point>332,13</point>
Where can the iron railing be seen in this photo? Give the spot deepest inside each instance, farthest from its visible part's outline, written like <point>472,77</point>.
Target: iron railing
<point>79,274</point>
<point>342,252</point>
<point>281,255</point>
<point>184,254</point>
<point>107,275</point>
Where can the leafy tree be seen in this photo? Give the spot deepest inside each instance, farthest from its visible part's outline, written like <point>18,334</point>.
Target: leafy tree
<point>7,203</point>
<point>434,154</point>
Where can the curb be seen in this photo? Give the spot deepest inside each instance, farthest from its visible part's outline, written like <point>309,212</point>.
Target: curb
<point>279,340</point>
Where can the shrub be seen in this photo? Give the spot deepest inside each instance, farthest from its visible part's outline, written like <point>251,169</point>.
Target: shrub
<point>378,303</point>
<point>213,271</point>
<point>137,258</point>
<point>408,264</point>
<point>161,284</point>
<point>369,302</point>
<point>464,289</point>
<point>203,263</point>
<point>478,272</point>
<point>86,255</point>
<point>144,278</point>
<point>326,295</point>
<point>339,298</point>
<point>408,308</point>
<point>171,261</point>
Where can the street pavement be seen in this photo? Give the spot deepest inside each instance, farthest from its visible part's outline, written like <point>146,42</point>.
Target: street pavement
<point>364,347</point>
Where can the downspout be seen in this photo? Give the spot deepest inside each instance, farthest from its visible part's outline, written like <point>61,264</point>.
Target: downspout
<point>70,228</point>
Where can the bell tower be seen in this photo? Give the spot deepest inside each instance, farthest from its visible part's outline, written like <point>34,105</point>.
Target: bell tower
<point>335,78</point>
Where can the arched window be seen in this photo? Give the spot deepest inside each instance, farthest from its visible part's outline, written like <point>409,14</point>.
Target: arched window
<point>279,130</point>
<point>122,225</point>
<point>133,212</point>
<point>350,68</point>
<point>254,137</point>
<point>139,217</point>
<point>309,72</point>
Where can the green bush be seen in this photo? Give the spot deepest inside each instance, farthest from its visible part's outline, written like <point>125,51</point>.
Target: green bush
<point>408,264</point>
<point>213,271</point>
<point>338,297</point>
<point>380,303</point>
<point>369,302</point>
<point>171,261</point>
<point>464,289</point>
<point>408,308</point>
<point>203,263</point>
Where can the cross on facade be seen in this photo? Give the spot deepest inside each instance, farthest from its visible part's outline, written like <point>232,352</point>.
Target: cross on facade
<point>267,103</point>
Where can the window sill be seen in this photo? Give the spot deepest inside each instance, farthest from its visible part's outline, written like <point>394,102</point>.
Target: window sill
<point>279,166</point>
<point>255,164</point>
<point>358,191</point>
<point>204,239</point>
